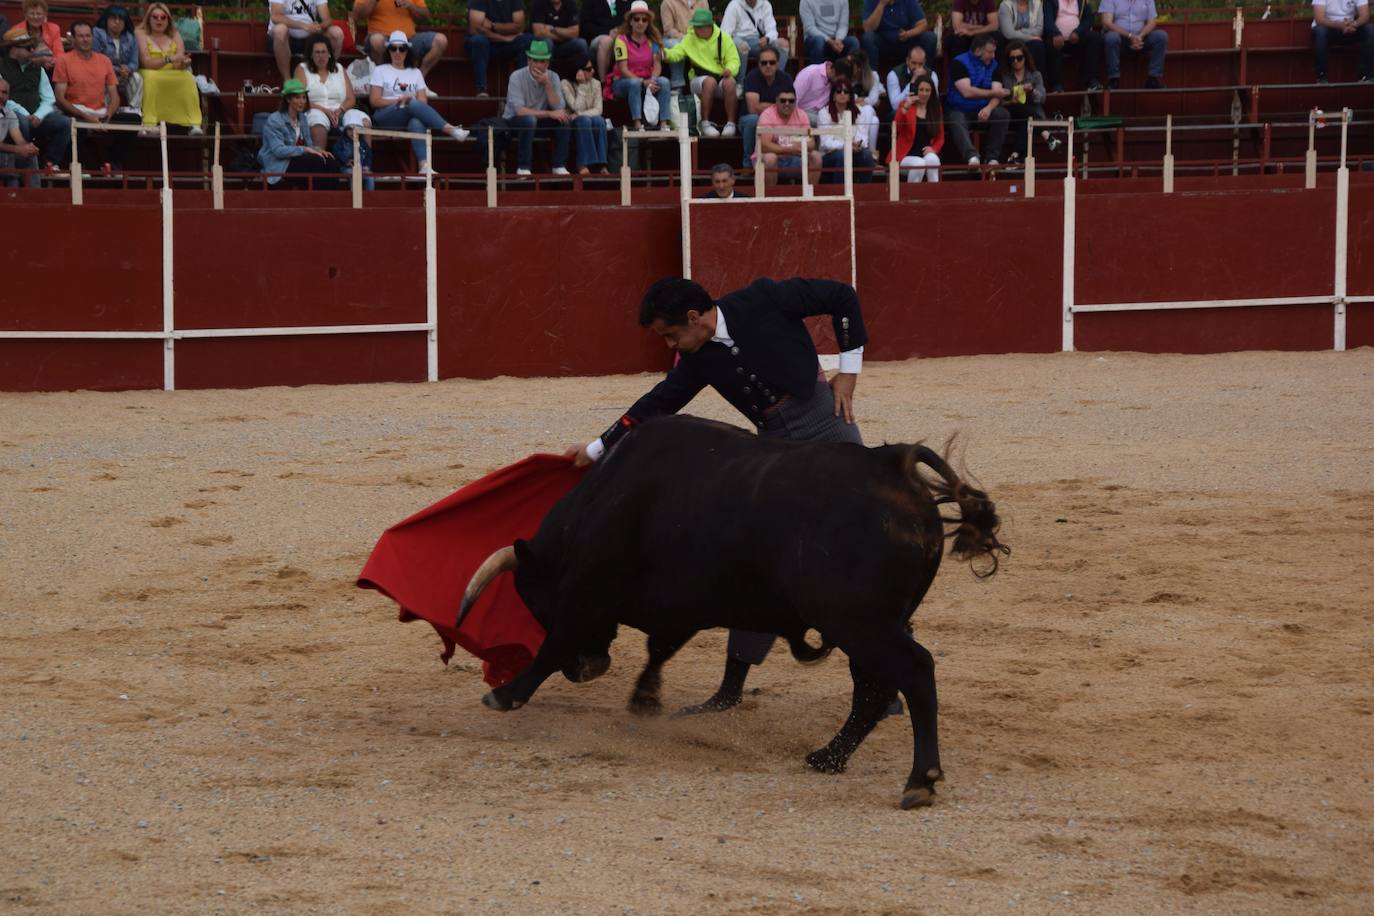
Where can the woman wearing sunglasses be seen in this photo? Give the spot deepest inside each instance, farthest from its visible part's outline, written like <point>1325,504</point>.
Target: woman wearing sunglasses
<point>1027,100</point>
<point>583,100</point>
<point>638,54</point>
<point>169,89</point>
<point>400,98</point>
<point>832,147</point>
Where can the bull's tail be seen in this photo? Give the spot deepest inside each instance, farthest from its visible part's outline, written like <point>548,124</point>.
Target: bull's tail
<point>974,533</point>
<point>803,651</point>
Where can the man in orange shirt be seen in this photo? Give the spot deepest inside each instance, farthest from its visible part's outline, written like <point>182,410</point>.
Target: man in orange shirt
<point>386,16</point>
<point>85,87</point>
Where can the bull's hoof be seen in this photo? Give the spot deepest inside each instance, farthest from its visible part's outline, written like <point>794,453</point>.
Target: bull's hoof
<point>826,761</point>
<point>919,797</point>
<point>501,704</point>
<point>642,704</point>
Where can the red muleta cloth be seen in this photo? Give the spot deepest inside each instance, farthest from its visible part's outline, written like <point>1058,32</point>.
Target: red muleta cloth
<point>425,562</point>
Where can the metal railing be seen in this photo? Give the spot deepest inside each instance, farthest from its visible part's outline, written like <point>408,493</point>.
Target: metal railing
<point>1338,298</point>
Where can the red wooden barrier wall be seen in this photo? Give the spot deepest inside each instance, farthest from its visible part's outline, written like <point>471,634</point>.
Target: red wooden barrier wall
<point>537,291</point>
<point>553,290</point>
<point>1214,245</point>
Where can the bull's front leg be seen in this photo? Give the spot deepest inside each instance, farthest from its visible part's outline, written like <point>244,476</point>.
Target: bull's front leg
<point>644,701</point>
<point>552,655</point>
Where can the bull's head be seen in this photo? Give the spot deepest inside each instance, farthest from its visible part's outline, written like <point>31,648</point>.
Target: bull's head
<point>536,586</point>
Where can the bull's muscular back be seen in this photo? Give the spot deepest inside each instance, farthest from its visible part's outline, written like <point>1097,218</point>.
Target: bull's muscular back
<point>719,527</point>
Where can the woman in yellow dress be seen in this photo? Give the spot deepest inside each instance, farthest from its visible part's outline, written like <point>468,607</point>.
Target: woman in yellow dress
<point>169,89</point>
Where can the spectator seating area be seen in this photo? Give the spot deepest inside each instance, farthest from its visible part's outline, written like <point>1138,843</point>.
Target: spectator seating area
<point>1239,92</point>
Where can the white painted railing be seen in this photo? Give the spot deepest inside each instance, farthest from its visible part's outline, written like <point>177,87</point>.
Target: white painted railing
<point>1337,298</point>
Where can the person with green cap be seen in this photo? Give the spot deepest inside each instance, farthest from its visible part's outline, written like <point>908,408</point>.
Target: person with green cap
<point>714,62</point>
<point>286,151</point>
<point>534,104</point>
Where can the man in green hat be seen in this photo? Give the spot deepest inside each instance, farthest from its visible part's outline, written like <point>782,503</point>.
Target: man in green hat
<point>714,61</point>
<point>534,104</point>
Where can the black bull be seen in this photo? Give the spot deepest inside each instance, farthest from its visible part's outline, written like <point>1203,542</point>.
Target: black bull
<point>690,524</point>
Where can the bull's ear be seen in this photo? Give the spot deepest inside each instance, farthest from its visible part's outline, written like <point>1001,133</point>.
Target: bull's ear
<point>523,554</point>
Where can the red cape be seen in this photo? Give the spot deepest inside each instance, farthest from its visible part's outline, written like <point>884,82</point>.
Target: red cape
<point>425,562</point>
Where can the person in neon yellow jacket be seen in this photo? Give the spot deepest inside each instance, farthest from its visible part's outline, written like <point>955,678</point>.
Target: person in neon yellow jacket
<point>715,62</point>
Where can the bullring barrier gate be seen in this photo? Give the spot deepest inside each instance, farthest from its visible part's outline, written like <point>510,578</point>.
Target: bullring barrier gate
<point>1338,298</point>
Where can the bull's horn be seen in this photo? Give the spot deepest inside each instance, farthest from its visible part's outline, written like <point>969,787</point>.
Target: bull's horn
<point>503,560</point>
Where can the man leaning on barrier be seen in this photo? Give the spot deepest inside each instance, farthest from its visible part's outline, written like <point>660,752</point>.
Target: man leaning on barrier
<point>723,184</point>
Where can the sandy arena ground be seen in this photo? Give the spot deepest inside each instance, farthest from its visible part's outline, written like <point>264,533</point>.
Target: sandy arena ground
<point>1163,703</point>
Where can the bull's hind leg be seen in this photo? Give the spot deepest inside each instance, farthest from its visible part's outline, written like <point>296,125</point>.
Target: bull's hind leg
<point>896,658</point>
<point>871,699</point>
<point>919,688</point>
<point>644,701</point>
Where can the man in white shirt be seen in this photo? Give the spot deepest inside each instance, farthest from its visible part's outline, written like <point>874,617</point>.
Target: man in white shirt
<point>1342,22</point>
<point>752,24</point>
<point>291,22</point>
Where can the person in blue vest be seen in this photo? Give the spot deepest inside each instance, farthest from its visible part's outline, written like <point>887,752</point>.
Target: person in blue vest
<point>975,101</point>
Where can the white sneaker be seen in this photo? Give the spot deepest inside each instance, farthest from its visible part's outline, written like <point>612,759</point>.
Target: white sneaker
<point>709,130</point>
<point>561,171</point>
<point>522,173</point>
<point>196,132</point>
<point>729,130</point>
<point>993,162</point>
<point>974,160</point>
<point>426,169</point>
<point>458,133</point>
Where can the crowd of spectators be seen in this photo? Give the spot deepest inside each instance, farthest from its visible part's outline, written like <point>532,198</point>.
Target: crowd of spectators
<point>570,57</point>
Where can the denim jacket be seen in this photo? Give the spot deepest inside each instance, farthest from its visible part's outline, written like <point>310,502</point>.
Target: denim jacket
<point>128,49</point>
<point>279,145</point>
